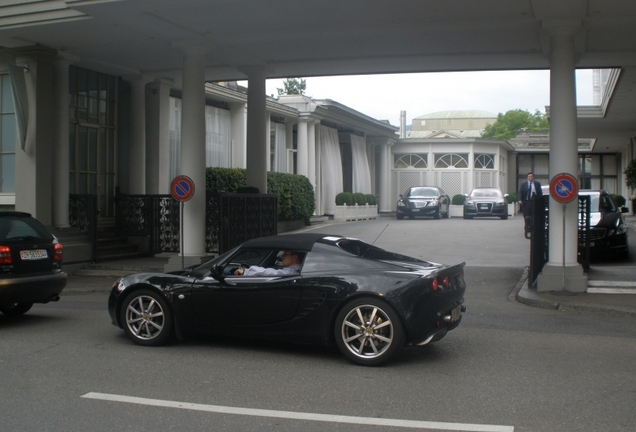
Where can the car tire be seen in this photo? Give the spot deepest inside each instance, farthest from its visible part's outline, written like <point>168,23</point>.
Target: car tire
<point>467,217</point>
<point>146,318</point>
<point>16,309</point>
<point>400,217</point>
<point>437,214</point>
<point>373,342</point>
<point>504,217</point>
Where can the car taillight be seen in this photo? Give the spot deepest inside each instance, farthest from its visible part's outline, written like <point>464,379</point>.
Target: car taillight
<point>57,252</point>
<point>5,255</point>
<point>446,282</point>
<point>435,284</point>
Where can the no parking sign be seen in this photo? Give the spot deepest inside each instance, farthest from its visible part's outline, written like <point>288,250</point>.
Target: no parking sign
<point>564,188</point>
<point>182,188</point>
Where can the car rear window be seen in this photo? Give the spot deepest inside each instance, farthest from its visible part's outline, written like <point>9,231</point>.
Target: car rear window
<point>16,229</point>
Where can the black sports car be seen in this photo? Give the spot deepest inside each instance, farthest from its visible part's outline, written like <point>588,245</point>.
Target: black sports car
<point>486,202</point>
<point>423,201</point>
<point>368,301</point>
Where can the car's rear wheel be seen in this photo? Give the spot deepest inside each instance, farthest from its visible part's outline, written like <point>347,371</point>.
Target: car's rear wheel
<point>146,318</point>
<point>16,309</point>
<point>368,331</point>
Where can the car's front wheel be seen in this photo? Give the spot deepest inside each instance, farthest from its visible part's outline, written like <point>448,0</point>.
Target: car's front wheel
<point>146,318</point>
<point>16,309</point>
<point>368,331</point>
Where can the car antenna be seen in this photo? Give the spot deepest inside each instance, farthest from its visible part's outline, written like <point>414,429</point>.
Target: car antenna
<point>376,239</point>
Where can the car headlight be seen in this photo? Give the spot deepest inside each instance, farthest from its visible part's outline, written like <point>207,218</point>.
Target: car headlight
<point>434,202</point>
<point>499,203</point>
<point>621,229</point>
<point>401,204</point>
<point>469,203</point>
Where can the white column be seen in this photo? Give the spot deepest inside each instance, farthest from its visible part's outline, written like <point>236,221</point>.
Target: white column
<point>289,142</point>
<point>34,164</point>
<point>318,188</point>
<point>238,112</point>
<point>158,137</point>
<point>385,204</point>
<point>563,267</point>
<point>257,126</point>
<point>61,144</point>
<point>311,153</point>
<point>193,147</point>
<point>137,150</point>
<point>302,147</point>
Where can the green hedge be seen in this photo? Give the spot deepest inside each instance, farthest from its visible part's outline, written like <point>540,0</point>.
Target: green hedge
<point>512,198</point>
<point>458,199</point>
<point>295,192</point>
<point>345,198</point>
<point>348,198</point>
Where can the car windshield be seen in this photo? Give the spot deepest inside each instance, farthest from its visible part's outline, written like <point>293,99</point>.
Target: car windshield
<point>483,193</point>
<point>17,228</point>
<point>601,203</point>
<point>423,192</point>
<point>205,268</point>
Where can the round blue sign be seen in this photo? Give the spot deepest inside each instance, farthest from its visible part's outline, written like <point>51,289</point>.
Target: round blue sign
<point>182,188</point>
<point>564,188</point>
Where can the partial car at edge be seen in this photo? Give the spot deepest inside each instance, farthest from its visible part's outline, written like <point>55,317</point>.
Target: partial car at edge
<point>30,264</point>
<point>367,301</point>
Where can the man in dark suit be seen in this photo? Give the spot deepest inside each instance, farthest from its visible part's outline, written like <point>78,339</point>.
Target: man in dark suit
<point>527,190</point>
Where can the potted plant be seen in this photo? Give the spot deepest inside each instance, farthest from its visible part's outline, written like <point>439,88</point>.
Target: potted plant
<point>457,205</point>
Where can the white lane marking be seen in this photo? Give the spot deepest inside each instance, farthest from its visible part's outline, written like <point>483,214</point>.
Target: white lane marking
<point>611,290</point>
<point>611,284</point>
<point>290,415</point>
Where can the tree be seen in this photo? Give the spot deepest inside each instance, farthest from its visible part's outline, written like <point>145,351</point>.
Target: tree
<point>509,124</point>
<point>293,86</point>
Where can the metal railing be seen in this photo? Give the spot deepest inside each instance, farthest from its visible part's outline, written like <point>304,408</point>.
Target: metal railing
<point>83,216</point>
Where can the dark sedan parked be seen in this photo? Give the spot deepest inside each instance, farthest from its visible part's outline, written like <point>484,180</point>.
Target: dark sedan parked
<point>423,201</point>
<point>608,230</point>
<point>30,264</point>
<point>366,300</point>
<point>486,202</point>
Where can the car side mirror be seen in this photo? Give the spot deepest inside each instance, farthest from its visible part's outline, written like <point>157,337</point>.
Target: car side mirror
<point>506,195</point>
<point>217,273</point>
<point>624,209</point>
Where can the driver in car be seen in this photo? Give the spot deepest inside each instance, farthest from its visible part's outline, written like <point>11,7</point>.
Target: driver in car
<point>291,263</point>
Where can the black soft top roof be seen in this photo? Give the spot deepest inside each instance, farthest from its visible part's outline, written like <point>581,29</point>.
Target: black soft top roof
<point>295,242</point>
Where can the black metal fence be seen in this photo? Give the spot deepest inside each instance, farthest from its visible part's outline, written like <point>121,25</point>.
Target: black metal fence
<point>540,239</point>
<point>83,215</point>
<point>231,219</point>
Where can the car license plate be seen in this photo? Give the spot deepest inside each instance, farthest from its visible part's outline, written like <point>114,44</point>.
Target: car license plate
<point>483,206</point>
<point>33,254</point>
<point>415,210</point>
<point>456,313</point>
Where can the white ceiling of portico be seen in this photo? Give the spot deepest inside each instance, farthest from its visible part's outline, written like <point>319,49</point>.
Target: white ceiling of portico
<point>336,37</point>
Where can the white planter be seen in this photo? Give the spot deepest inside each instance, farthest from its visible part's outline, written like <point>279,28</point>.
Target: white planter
<point>456,211</point>
<point>512,209</point>
<point>355,212</point>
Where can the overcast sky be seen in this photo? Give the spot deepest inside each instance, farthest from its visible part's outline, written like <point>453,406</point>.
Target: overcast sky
<point>384,96</point>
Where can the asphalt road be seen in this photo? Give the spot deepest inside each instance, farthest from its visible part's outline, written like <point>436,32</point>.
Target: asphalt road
<point>506,367</point>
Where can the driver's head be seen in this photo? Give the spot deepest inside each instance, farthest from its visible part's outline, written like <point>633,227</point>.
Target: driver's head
<point>290,258</point>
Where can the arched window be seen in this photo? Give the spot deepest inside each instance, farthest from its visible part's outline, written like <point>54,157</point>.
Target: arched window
<point>484,161</point>
<point>451,160</point>
<point>410,161</point>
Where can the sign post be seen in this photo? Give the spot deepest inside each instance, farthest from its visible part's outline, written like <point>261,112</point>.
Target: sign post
<point>564,188</point>
<point>182,189</point>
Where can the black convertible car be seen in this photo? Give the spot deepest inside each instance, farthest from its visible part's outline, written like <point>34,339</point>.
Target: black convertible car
<point>366,300</point>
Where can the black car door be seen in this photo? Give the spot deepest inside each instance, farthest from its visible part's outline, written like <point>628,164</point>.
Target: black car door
<point>246,300</point>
